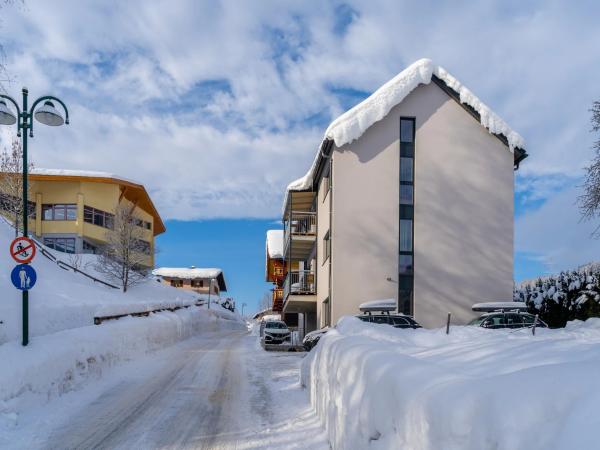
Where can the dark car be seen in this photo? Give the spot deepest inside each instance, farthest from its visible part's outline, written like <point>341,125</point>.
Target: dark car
<point>395,320</point>
<point>501,320</point>
<point>311,339</point>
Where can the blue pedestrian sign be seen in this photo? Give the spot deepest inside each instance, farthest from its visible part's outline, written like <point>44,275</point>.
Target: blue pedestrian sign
<point>23,277</point>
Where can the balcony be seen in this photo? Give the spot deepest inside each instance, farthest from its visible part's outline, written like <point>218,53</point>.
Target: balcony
<point>299,291</point>
<point>300,234</point>
<point>277,300</point>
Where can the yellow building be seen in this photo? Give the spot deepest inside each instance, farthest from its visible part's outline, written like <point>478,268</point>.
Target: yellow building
<point>74,210</point>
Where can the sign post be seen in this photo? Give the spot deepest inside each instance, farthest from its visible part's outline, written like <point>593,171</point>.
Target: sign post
<point>23,276</point>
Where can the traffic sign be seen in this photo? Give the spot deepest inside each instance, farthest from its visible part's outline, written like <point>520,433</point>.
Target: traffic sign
<point>22,250</point>
<point>23,277</point>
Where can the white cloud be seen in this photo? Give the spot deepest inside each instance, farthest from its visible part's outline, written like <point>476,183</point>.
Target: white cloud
<point>232,154</point>
<point>555,233</point>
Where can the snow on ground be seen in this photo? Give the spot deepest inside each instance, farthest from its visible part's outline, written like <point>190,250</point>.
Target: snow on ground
<point>215,390</point>
<point>377,387</point>
<point>63,299</point>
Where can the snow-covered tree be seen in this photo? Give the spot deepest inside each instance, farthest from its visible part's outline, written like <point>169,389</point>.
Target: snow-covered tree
<point>589,201</point>
<point>125,256</point>
<point>568,296</point>
<point>11,183</point>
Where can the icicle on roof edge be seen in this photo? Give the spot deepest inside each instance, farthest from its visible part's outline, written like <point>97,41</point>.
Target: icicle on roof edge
<point>353,123</point>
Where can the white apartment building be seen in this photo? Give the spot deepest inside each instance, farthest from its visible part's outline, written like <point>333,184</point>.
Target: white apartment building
<point>410,196</point>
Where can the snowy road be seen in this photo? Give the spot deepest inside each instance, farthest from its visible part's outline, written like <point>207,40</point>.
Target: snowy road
<point>217,392</point>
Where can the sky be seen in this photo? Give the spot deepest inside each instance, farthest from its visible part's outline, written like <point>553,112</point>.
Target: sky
<point>215,106</point>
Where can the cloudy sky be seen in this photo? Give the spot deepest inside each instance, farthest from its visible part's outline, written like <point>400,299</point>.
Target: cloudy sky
<point>216,106</point>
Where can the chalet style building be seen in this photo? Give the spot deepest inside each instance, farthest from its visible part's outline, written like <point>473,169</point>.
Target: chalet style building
<point>275,267</point>
<point>410,197</point>
<point>198,280</point>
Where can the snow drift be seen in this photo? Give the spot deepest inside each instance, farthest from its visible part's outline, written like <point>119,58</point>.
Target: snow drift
<point>378,387</point>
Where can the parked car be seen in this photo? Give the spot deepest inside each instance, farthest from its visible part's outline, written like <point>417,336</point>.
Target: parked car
<point>275,332</point>
<point>506,319</point>
<point>311,339</point>
<point>395,320</point>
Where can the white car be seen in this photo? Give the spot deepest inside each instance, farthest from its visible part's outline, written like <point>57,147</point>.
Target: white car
<point>275,332</point>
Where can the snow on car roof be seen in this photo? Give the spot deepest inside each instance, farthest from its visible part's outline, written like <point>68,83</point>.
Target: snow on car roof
<point>388,304</point>
<point>495,306</point>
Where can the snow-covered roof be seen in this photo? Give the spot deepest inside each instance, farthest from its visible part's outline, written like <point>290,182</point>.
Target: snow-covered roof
<point>187,273</point>
<point>495,306</point>
<point>353,123</point>
<point>388,304</point>
<point>79,173</point>
<point>275,244</point>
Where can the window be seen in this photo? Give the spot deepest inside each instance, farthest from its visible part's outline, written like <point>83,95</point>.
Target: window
<point>326,247</point>
<point>98,217</point>
<point>406,215</point>
<point>177,283</point>
<point>406,244</point>
<point>142,246</point>
<point>197,283</point>
<point>65,245</point>
<point>59,212</point>
<point>89,248</point>
<point>142,224</point>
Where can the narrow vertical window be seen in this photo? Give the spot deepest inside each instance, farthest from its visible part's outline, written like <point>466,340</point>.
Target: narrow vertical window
<point>406,216</point>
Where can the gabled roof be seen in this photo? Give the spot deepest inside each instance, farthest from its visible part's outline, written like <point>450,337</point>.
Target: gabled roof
<point>192,273</point>
<point>353,123</point>
<point>133,191</point>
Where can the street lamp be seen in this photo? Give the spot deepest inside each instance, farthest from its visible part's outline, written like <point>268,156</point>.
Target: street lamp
<point>47,114</point>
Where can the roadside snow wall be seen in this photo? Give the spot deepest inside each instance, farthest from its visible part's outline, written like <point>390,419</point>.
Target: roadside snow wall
<point>376,387</point>
<point>60,362</point>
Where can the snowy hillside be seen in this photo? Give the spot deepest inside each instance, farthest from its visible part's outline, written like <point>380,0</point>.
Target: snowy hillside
<point>473,389</point>
<point>62,299</point>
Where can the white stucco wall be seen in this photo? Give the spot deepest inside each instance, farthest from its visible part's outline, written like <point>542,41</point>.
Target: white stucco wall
<point>463,212</point>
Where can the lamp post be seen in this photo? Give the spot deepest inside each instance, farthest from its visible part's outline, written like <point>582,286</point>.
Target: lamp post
<point>48,115</point>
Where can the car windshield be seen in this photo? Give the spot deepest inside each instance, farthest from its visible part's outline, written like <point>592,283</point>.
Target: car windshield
<point>277,325</point>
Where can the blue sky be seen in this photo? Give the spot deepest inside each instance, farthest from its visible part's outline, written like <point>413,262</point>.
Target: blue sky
<point>217,105</point>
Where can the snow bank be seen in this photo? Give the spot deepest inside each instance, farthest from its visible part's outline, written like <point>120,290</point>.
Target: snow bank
<point>58,363</point>
<point>353,123</point>
<point>63,299</point>
<point>473,389</point>
<point>275,244</point>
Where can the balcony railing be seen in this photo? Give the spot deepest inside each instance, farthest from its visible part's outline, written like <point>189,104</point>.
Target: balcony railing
<point>301,223</point>
<point>299,282</point>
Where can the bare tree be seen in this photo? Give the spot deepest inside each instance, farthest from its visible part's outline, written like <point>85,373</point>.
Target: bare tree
<point>589,201</point>
<point>125,256</point>
<point>266,302</point>
<point>11,183</point>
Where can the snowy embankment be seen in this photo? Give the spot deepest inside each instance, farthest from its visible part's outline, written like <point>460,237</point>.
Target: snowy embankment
<point>377,387</point>
<point>62,299</point>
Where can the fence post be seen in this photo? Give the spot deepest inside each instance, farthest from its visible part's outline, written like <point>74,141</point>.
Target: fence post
<point>448,324</point>
<point>535,320</point>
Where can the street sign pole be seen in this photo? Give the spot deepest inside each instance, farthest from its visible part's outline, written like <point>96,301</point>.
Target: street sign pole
<point>25,300</point>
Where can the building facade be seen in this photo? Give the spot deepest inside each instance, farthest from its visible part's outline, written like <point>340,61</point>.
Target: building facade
<point>72,211</point>
<point>201,281</point>
<point>410,197</point>
<point>275,267</point>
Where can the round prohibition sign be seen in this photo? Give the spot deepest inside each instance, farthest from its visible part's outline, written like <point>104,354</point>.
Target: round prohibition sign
<point>22,250</point>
